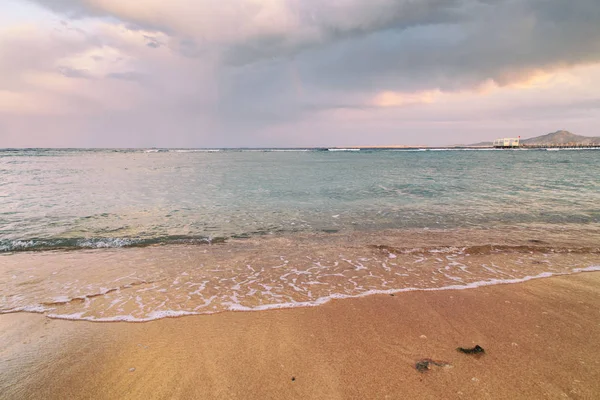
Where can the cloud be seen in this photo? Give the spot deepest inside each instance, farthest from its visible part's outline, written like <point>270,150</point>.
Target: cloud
<point>74,72</point>
<point>404,44</point>
<point>237,69</point>
<point>395,99</point>
<point>257,29</point>
<point>152,42</point>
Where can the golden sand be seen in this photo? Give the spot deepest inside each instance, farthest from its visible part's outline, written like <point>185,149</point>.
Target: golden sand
<point>541,338</point>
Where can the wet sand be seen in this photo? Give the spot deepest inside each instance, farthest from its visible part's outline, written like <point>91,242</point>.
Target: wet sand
<point>542,340</point>
<point>281,271</point>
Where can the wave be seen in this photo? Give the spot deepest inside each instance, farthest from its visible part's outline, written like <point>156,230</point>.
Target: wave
<point>336,149</point>
<point>275,150</point>
<point>196,150</point>
<point>7,246</point>
<point>160,314</point>
<point>40,244</point>
<point>537,247</point>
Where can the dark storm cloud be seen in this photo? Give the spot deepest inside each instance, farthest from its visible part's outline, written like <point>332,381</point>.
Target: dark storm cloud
<point>506,43</point>
<point>331,23</point>
<point>396,44</point>
<point>463,45</point>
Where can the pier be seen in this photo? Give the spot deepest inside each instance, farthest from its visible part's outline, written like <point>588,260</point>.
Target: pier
<point>516,143</point>
<point>561,146</point>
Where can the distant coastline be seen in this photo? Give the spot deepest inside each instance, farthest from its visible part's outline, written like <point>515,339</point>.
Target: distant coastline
<point>553,139</point>
<point>559,138</point>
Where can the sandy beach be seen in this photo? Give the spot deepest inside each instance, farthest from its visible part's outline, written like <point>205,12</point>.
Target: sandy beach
<point>299,199</point>
<point>541,340</point>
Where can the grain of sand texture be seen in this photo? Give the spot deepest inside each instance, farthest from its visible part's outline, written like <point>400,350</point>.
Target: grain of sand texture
<point>541,338</point>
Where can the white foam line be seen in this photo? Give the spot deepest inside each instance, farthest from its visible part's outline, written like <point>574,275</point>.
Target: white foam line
<point>472,285</point>
<point>37,309</point>
<point>338,149</point>
<point>154,315</point>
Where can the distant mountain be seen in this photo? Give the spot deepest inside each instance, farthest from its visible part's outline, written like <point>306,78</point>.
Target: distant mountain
<point>554,138</point>
<point>480,144</point>
<point>561,137</point>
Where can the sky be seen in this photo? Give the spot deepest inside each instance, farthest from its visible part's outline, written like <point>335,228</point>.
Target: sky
<point>295,73</point>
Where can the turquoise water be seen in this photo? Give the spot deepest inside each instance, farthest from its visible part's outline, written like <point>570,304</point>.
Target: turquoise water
<point>284,228</point>
<point>109,198</point>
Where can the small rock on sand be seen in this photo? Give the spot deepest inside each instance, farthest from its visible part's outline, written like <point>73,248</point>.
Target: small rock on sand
<point>425,364</point>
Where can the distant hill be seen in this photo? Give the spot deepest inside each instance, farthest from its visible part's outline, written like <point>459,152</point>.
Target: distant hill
<point>561,137</point>
<point>554,138</point>
<point>481,144</point>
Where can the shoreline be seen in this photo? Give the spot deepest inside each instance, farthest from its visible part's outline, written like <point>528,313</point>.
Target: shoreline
<point>321,301</point>
<point>541,337</point>
<point>149,283</point>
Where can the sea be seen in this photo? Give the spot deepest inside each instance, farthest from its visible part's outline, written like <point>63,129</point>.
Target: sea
<point>134,235</point>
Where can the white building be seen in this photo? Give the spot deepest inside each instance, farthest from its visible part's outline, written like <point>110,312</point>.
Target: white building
<point>507,142</point>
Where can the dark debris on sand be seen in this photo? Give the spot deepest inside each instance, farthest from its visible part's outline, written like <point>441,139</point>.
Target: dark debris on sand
<point>425,364</point>
<point>472,350</point>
